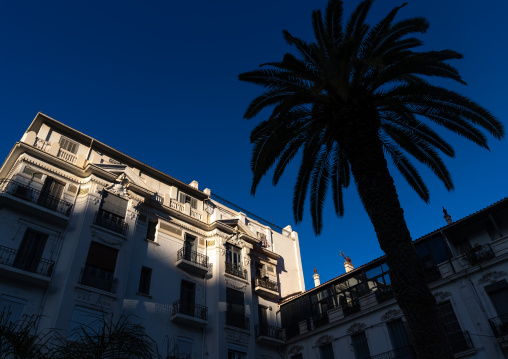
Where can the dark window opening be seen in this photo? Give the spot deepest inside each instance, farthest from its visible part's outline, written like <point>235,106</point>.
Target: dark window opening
<point>144,280</point>
<point>360,346</point>
<point>100,267</point>
<point>152,228</point>
<point>187,297</point>
<point>30,251</point>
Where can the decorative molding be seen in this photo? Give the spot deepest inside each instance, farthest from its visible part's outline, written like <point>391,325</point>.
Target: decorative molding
<point>356,327</point>
<point>83,296</point>
<point>391,314</point>
<point>441,296</point>
<point>232,335</point>
<point>114,242</point>
<point>120,186</point>
<point>324,339</point>
<point>246,260</point>
<point>491,277</point>
<point>104,302</point>
<point>210,243</point>
<point>235,284</point>
<point>295,349</point>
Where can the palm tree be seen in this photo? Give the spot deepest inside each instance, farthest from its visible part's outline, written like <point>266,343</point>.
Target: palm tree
<point>19,339</point>
<point>355,95</point>
<point>109,339</point>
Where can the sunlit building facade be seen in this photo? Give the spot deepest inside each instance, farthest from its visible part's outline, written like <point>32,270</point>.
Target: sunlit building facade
<point>88,232</point>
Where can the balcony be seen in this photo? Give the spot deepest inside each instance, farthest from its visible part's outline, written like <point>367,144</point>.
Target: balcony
<point>98,278</point>
<point>499,326</point>
<point>400,353</point>
<point>29,194</point>
<point>479,254</point>
<point>266,287</point>
<point>22,265</point>
<point>111,222</point>
<point>236,269</point>
<point>269,334</point>
<point>189,314</point>
<point>237,320</point>
<point>192,262</point>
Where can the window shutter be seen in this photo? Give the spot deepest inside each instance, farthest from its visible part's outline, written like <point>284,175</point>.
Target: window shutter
<point>114,204</point>
<point>194,203</point>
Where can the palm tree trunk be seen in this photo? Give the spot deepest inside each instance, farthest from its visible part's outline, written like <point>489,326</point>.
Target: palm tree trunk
<point>379,197</point>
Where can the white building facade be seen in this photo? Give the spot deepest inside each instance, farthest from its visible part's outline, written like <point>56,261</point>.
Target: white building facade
<point>89,232</point>
<point>355,316</point>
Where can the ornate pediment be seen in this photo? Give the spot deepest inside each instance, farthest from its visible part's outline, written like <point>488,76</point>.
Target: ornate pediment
<point>491,277</point>
<point>356,327</point>
<point>324,339</point>
<point>120,186</point>
<point>295,349</point>
<point>391,314</point>
<point>441,296</point>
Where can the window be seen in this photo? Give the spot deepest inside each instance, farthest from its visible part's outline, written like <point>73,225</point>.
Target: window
<point>144,280</point>
<point>100,267</point>
<point>112,213</point>
<point>152,228</point>
<point>69,145</point>
<point>263,314</point>
<point>189,247</point>
<point>498,293</point>
<point>235,310</point>
<point>448,319</point>
<point>12,305</point>
<point>233,255</point>
<point>51,193</point>
<point>187,298</point>
<point>85,320</point>
<point>398,335</point>
<point>185,198</point>
<point>326,351</point>
<point>360,346</point>
<point>30,251</point>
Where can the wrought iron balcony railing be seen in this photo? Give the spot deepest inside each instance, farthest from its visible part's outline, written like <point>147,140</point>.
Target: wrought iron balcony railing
<point>27,193</point>
<point>13,258</point>
<point>268,331</point>
<point>479,254</point>
<point>384,295</point>
<point>190,309</point>
<point>237,320</point>
<point>192,256</point>
<point>407,352</point>
<point>98,278</point>
<point>236,269</point>
<point>432,274</point>
<point>499,325</point>
<point>111,221</point>
<point>266,283</point>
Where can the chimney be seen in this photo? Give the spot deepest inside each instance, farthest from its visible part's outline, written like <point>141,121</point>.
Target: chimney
<point>348,265</point>
<point>447,217</point>
<point>316,278</point>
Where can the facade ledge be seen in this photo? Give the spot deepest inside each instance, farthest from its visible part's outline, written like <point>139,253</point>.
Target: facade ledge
<point>265,292</point>
<point>29,207</point>
<point>95,290</point>
<point>240,330</point>
<point>183,319</point>
<point>152,242</point>
<point>191,267</point>
<point>20,275</point>
<point>227,275</point>
<point>465,353</point>
<point>263,339</point>
<point>107,231</point>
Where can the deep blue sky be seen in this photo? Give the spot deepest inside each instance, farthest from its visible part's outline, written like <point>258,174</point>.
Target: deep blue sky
<point>158,81</point>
